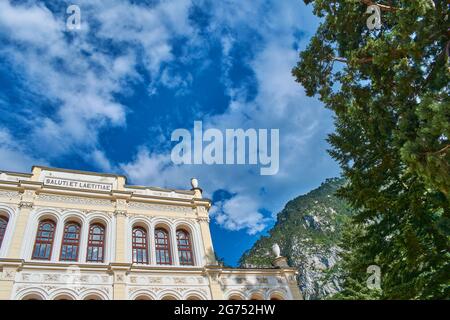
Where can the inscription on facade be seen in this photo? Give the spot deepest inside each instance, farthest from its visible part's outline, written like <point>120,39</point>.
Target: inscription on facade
<point>77,184</point>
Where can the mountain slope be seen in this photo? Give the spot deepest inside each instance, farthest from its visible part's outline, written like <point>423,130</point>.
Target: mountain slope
<point>307,231</point>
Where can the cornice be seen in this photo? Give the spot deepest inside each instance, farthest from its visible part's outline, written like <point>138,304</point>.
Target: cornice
<point>188,192</point>
<point>11,262</point>
<point>14,184</point>
<point>202,202</point>
<point>164,269</point>
<point>30,185</point>
<point>117,266</point>
<point>18,174</point>
<point>257,271</point>
<point>90,173</point>
<point>142,198</point>
<point>62,266</point>
<point>119,194</point>
<point>167,196</point>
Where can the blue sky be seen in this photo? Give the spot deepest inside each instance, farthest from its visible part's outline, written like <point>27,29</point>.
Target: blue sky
<point>107,97</point>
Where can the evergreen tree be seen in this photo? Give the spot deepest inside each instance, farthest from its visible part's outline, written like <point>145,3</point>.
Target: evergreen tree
<point>389,90</point>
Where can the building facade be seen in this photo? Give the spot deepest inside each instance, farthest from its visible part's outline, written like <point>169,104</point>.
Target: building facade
<point>68,234</point>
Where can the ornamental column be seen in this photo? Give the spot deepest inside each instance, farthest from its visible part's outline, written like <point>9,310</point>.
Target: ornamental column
<point>209,257</point>
<point>120,254</point>
<point>25,208</point>
<point>202,206</point>
<point>120,214</point>
<point>215,284</point>
<point>119,266</point>
<point>174,246</point>
<point>290,275</point>
<point>120,274</point>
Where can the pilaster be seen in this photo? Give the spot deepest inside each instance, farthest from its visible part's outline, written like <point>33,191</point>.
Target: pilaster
<point>120,213</point>
<point>7,276</point>
<point>291,278</point>
<point>213,273</point>
<point>120,273</point>
<point>203,221</point>
<point>25,208</point>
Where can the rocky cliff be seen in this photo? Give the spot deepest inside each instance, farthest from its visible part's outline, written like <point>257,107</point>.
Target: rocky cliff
<point>307,230</point>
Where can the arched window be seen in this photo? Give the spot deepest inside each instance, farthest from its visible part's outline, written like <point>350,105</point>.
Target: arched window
<point>70,245</point>
<point>184,248</point>
<point>162,247</point>
<point>44,240</point>
<point>143,297</point>
<point>3,225</point>
<point>140,246</point>
<point>33,296</point>
<point>96,243</point>
<point>93,297</point>
<point>256,296</point>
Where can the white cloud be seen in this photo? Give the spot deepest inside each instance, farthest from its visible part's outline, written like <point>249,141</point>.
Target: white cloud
<point>147,168</point>
<point>15,157</point>
<point>100,159</point>
<point>280,103</point>
<point>239,212</point>
<point>31,24</point>
<point>80,81</point>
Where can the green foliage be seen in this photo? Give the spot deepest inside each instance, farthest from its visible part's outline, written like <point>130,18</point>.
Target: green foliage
<point>389,90</point>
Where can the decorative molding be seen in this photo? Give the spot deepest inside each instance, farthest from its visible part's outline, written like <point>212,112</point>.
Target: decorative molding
<point>51,288</point>
<point>8,275</point>
<point>122,213</point>
<point>292,279</point>
<point>146,280</point>
<point>74,200</point>
<point>120,277</point>
<point>257,281</point>
<point>67,278</point>
<point>9,194</point>
<point>262,280</point>
<point>29,193</point>
<point>26,204</point>
<point>181,290</point>
<point>180,280</point>
<point>163,194</point>
<point>122,202</point>
<point>203,219</point>
<point>159,207</point>
<point>240,280</point>
<point>152,289</point>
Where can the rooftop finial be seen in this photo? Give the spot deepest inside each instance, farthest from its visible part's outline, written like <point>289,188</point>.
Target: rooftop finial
<point>194,183</point>
<point>279,261</point>
<point>276,250</point>
<point>197,191</point>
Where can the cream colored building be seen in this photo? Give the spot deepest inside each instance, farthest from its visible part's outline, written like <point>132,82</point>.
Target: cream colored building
<point>68,234</point>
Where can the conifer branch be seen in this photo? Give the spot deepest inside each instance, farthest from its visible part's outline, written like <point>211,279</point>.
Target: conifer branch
<point>345,60</point>
<point>443,150</point>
